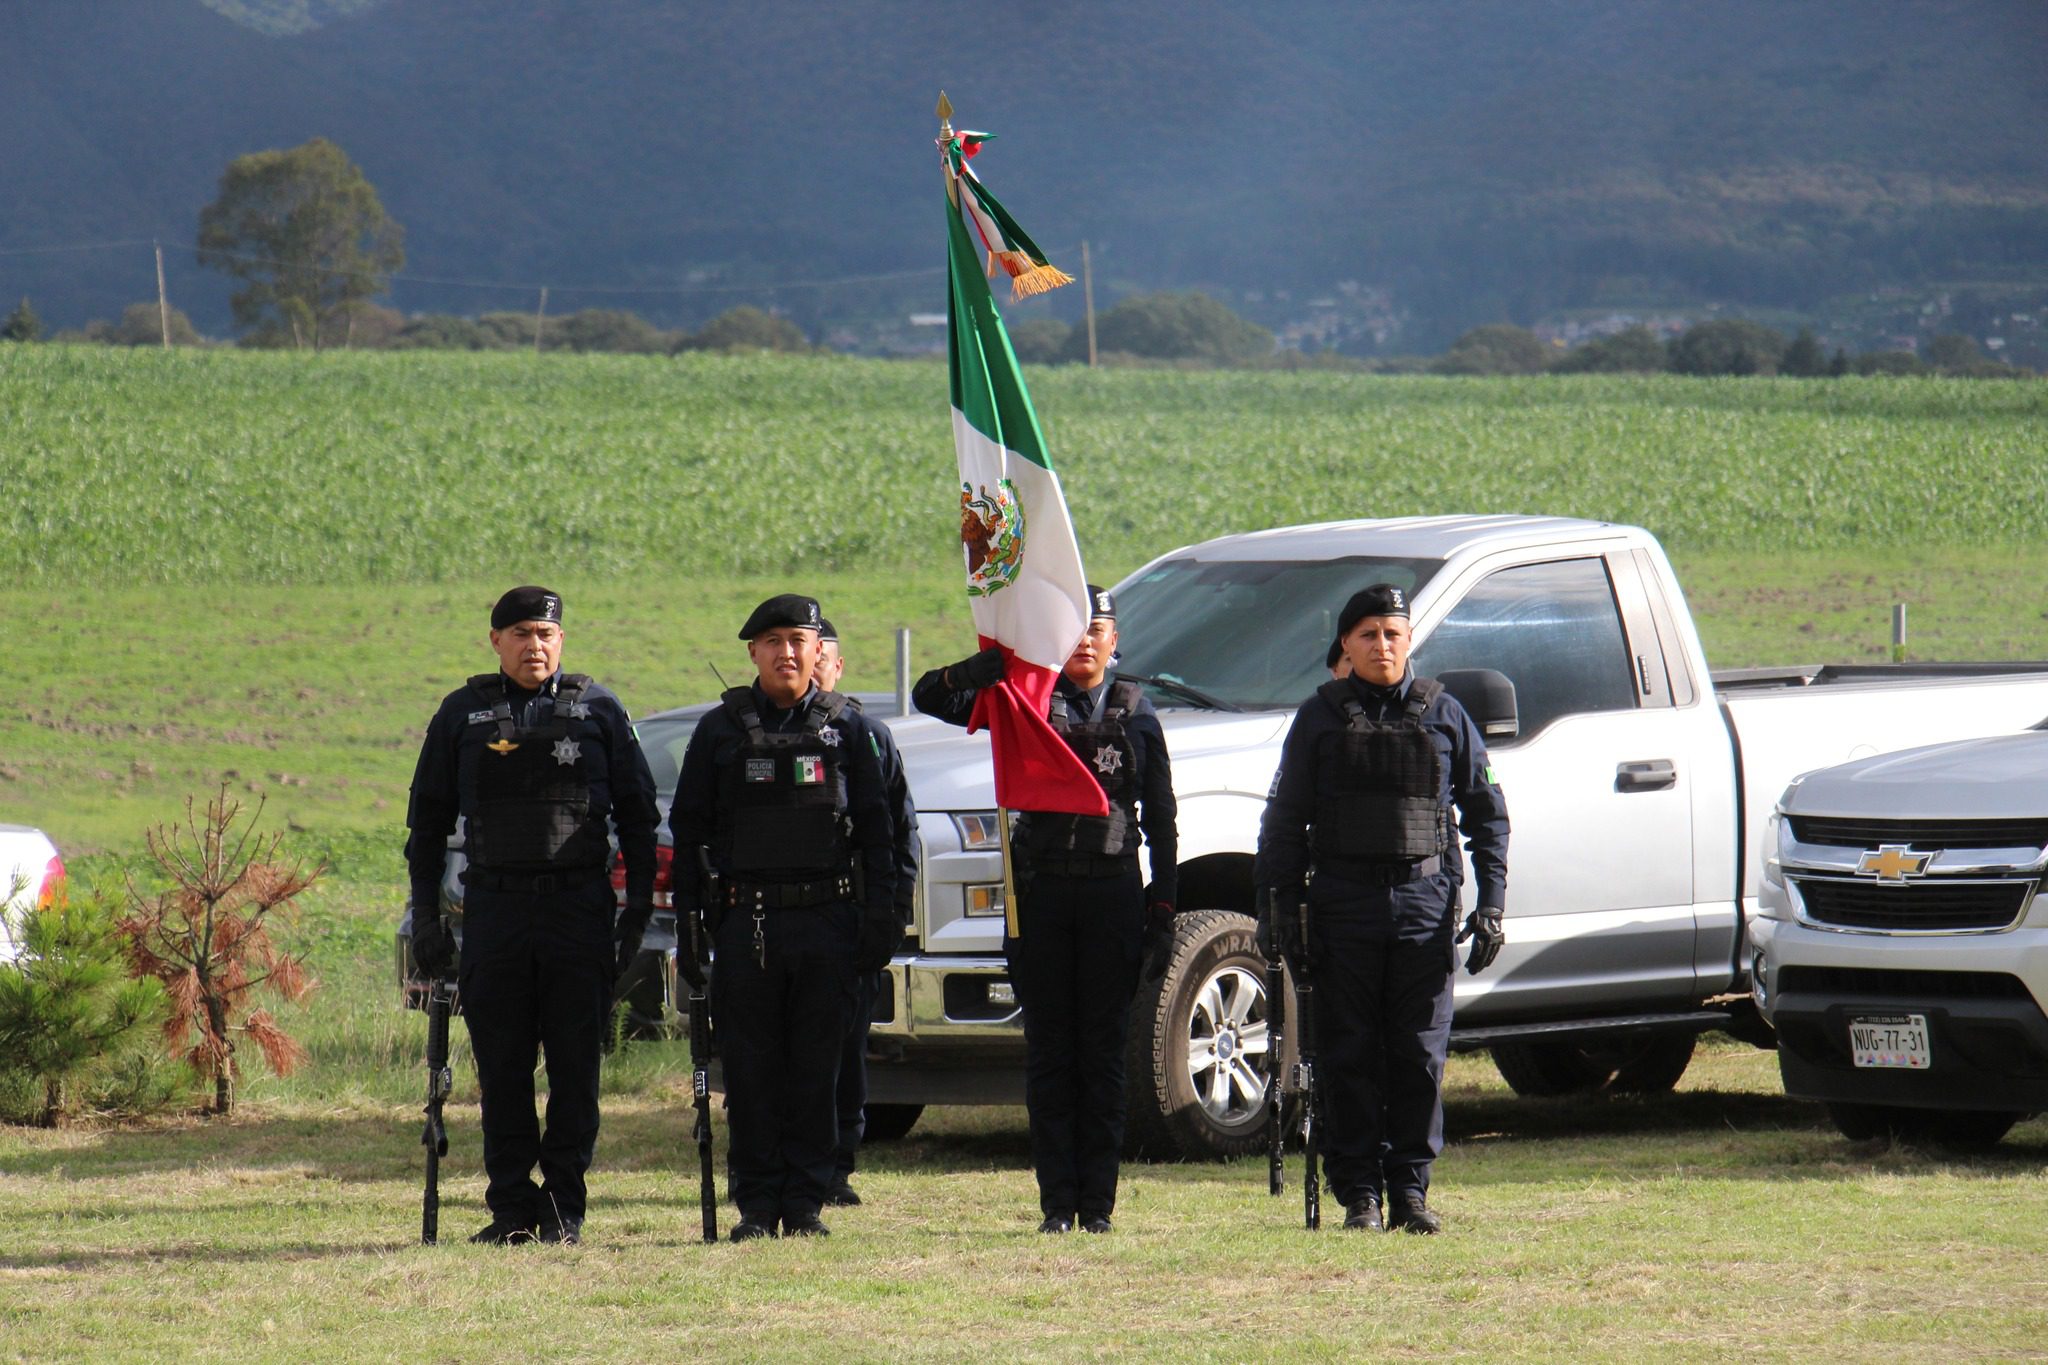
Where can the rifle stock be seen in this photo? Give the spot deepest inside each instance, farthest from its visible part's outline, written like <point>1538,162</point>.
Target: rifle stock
<point>440,1080</point>
<point>1276,1077</point>
<point>700,1048</point>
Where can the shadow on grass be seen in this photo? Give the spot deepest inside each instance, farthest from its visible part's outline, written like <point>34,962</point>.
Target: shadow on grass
<point>205,1252</point>
<point>1519,1139</point>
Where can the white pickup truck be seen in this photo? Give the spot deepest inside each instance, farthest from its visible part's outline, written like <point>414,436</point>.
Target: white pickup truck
<point>1638,785</point>
<point>1901,947</point>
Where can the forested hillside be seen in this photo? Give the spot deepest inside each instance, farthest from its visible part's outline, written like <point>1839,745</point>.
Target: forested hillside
<point>1462,161</point>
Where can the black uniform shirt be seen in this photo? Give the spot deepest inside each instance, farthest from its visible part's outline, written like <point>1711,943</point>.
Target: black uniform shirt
<point>444,784</point>
<point>1417,910</point>
<point>695,814</point>
<point>1157,809</point>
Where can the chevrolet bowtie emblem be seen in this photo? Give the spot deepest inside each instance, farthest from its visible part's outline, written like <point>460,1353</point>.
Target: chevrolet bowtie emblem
<point>501,746</point>
<point>1894,862</point>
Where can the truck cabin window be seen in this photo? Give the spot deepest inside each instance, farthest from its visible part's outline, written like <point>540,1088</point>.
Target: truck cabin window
<point>1249,633</point>
<point>1552,628</point>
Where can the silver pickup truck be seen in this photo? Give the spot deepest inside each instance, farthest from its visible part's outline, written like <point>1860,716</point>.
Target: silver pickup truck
<point>1901,948</point>
<point>1639,786</point>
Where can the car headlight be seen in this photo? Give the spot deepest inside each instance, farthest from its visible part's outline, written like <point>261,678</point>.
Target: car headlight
<point>1774,848</point>
<point>981,831</point>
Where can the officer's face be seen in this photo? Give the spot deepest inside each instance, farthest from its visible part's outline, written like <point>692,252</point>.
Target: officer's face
<point>529,651</point>
<point>1089,663</point>
<point>1377,648</point>
<point>831,665</point>
<point>784,658</point>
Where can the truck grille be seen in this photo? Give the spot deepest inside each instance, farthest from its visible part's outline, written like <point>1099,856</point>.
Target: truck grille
<point>1926,907</point>
<point>1893,984</point>
<point>1921,834</point>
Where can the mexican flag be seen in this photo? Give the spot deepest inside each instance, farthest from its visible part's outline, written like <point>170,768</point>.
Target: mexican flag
<point>1024,577</point>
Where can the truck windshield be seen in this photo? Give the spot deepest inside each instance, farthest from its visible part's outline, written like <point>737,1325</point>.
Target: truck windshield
<point>1251,633</point>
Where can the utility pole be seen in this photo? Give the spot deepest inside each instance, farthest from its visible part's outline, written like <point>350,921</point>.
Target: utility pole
<point>540,319</point>
<point>1088,299</point>
<point>163,302</point>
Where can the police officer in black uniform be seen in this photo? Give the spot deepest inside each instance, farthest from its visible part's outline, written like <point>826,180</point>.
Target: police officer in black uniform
<point>535,762</point>
<point>1359,821</point>
<point>1083,913</point>
<point>782,787</point>
<point>853,1062</point>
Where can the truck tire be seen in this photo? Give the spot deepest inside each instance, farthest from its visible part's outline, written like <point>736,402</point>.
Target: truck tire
<point>889,1122</point>
<point>1545,1068</point>
<point>1196,1070</point>
<point>1963,1128</point>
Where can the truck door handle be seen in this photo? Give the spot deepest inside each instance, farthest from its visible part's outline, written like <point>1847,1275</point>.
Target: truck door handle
<point>1648,775</point>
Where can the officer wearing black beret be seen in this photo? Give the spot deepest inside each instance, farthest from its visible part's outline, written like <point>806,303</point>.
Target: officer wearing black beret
<point>1083,913</point>
<point>1369,776</point>
<point>782,797</point>
<point>853,1061</point>
<point>538,765</point>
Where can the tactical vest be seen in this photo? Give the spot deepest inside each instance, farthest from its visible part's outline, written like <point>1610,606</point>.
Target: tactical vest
<point>1380,796</point>
<point>1104,744</point>
<point>785,793</point>
<point>533,789</point>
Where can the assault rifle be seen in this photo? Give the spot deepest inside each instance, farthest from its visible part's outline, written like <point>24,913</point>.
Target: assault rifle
<point>1276,1074</point>
<point>700,1043</point>
<point>440,1080</point>
<point>1305,1074</point>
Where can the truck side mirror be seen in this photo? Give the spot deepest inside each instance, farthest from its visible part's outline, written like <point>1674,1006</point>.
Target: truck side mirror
<point>1488,697</point>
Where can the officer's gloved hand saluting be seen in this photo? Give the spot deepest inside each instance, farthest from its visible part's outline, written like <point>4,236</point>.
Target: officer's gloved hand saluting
<point>976,670</point>
<point>1483,927</point>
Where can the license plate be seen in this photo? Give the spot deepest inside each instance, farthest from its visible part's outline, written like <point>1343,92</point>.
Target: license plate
<point>1890,1040</point>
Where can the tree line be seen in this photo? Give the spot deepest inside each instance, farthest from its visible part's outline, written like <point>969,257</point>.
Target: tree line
<point>307,238</point>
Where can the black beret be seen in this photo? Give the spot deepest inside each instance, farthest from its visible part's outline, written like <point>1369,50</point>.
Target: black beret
<point>1336,652</point>
<point>526,604</point>
<point>1101,602</point>
<point>1381,599</point>
<point>827,631</point>
<point>789,609</point>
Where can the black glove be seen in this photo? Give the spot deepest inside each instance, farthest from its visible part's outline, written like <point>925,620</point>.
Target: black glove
<point>433,944</point>
<point>1279,924</point>
<point>976,670</point>
<point>627,933</point>
<point>1158,943</point>
<point>1483,927</point>
<point>880,932</point>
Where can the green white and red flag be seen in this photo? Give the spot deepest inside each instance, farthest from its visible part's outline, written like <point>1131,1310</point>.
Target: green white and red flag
<point>1025,583</point>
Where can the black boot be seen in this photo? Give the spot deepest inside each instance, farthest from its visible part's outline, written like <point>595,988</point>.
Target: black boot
<point>505,1232</point>
<point>1363,1215</point>
<point>1409,1213</point>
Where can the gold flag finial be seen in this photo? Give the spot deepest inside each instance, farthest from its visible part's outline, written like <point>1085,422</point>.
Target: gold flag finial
<point>945,109</point>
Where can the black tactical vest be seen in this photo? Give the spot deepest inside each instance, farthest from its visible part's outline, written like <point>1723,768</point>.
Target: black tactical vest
<point>1104,744</point>
<point>785,795</point>
<point>1380,795</point>
<point>533,788</point>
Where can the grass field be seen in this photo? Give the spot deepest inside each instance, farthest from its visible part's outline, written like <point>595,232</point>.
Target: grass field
<point>265,569</point>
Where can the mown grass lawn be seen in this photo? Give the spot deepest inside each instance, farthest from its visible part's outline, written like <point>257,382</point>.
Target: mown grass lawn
<point>1718,1222</point>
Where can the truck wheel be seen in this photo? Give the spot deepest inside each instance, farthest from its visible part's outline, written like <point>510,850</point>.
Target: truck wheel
<point>1196,1071</point>
<point>1544,1068</point>
<point>889,1122</point>
<point>1965,1128</point>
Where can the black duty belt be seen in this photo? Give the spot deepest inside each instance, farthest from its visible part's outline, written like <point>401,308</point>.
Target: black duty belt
<point>741,895</point>
<point>1394,871</point>
<point>1078,864</point>
<point>531,883</point>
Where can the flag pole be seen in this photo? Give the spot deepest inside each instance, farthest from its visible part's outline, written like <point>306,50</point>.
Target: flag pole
<point>944,111</point>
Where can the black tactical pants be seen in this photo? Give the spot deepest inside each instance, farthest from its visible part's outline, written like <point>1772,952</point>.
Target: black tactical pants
<point>537,976</point>
<point>853,1073</point>
<point>782,1028</point>
<point>1383,1018</point>
<point>1075,968</point>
